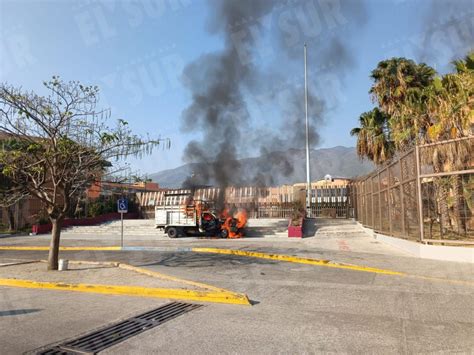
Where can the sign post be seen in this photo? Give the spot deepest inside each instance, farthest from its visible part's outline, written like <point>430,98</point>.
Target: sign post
<point>122,207</point>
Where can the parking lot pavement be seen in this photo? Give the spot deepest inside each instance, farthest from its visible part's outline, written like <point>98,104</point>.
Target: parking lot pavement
<point>297,308</point>
<point>31,318</point>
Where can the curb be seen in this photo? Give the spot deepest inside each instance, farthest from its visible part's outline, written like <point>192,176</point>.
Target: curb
<point>173,278</point>
<point>203,296</point>
<point>295,259</point>
<point>211,293</point>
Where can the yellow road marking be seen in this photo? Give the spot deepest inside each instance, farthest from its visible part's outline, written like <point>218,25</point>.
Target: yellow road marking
<point>325,263</point>
<point>203,296</point>
<point>296,259</point>
<point>31,248</point>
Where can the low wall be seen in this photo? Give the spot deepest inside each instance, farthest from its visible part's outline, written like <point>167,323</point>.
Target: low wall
<point>69,222</point>
<point>434,252</point>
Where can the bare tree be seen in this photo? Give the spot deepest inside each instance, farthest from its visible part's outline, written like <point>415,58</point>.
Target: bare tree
<point>60,143</point>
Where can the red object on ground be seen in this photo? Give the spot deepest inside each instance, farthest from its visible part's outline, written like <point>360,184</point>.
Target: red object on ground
<point>295,231</point>
<point>41,228</point>
<point>45,228</point>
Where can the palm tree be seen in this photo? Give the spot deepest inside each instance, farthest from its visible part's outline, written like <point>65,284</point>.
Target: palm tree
<point>452,107</point>
<point>426,108</point>
<point>399,89</point>
<point>373,139</point>
<point>453,102</point>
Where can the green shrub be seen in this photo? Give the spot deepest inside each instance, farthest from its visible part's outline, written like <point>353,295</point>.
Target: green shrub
<point>95,209</point>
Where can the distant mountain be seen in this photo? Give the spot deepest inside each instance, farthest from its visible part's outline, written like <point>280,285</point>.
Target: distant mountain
<point>338,161</point>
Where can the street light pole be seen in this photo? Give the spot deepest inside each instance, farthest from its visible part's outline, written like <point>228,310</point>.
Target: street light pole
<point>308,174</point>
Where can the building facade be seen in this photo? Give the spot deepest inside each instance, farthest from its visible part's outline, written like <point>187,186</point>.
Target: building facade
<point>330,197</point>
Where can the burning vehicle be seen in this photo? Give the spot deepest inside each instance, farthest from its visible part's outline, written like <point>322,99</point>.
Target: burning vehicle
<point>233,224</point>
<point>199,217</point>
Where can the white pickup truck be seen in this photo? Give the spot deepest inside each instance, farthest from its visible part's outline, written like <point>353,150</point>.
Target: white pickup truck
<point>181,220</point>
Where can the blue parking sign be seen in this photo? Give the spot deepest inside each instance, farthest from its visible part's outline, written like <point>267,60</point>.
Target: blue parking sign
<point>122,205</point>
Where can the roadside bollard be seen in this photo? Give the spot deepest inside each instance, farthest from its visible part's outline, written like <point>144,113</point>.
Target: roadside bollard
<point>63,264</point>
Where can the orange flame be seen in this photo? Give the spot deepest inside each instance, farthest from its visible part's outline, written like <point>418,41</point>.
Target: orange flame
<point>241,216</point>
<point>234,225</point>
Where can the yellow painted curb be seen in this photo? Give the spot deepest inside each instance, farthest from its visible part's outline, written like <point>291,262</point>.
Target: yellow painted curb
<point>156,275</point>
<point>203,296</point>
<point>173,278</point>
<point>60,248</point>
<point>295,259</point>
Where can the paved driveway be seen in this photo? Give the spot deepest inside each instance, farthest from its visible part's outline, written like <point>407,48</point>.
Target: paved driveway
<point>297,308</point>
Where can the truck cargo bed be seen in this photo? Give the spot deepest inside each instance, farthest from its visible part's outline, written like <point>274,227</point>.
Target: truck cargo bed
<point>175,215</point>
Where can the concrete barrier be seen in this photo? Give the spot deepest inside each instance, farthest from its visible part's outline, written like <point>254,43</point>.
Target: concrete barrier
<point>434,252</point>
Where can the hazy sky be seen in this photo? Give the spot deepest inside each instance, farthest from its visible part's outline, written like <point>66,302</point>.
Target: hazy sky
<point>135,51</point>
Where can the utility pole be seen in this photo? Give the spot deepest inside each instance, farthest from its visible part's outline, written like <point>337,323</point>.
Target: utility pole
<point>308,174</point>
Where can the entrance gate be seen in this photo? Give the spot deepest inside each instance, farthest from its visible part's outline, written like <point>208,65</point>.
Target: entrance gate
<point>327,201</point>
<point>331,201</point>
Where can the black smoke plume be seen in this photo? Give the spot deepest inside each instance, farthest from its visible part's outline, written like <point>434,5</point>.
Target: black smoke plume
<point>218,81</point>
<point>447,31</point>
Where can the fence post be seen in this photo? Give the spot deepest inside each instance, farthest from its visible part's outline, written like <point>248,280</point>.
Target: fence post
<point>372,201</point>
<point>402,202</point>
<point>366,205</point>
<point>380,202</point>
<point>389,199</point>
<point>418,188</point>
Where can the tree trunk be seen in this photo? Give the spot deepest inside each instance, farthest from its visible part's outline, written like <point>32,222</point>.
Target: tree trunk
<point>11,218</point>
<point>54,245</point>
<point>459,204</point>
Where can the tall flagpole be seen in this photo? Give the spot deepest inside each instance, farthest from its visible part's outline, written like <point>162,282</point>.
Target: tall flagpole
<point>308,174</point>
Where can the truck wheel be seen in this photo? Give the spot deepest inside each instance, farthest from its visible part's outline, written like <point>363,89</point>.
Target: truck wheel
<point>224,233</point>
<point>172,232</point>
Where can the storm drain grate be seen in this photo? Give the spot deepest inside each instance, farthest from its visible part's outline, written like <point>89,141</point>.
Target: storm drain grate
<point>56,351</point>
<point>110,335</point>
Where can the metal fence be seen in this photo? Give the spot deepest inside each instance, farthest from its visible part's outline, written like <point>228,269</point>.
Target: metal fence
<point>425,195</point>
<point>328,200</point>
<point>273,210</point>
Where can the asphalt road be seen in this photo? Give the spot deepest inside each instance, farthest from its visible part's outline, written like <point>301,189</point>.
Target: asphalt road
<point>296,308</point>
